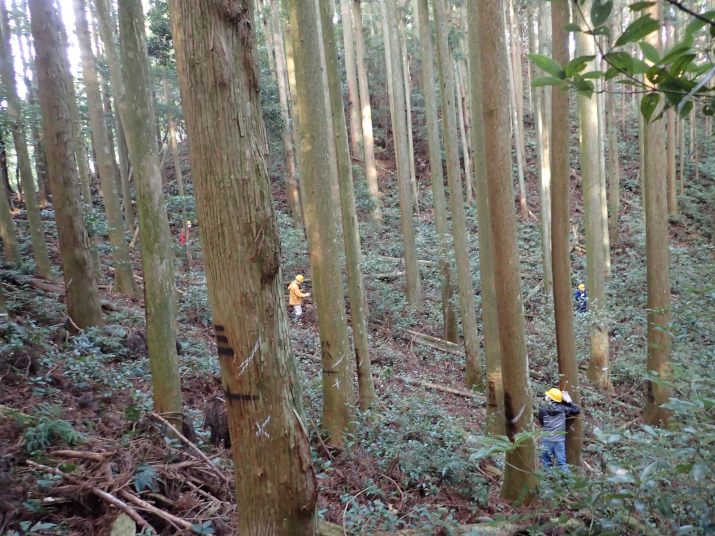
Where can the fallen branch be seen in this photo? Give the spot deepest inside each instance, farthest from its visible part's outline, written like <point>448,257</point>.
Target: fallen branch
<point>534,291</point>
<point>443,388</point>
<point>437,344</point>
<point>134,238</point>
<point>94,456</point>
<point>47,287</point>
<point>111,499</point>
<point>156,511</point>
<point>196,449</point>
<point>317,433</point>
<point>391,275</point>
<point>398,259</point>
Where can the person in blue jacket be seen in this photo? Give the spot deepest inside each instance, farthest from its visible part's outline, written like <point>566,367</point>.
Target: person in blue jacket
<point>581,299</point>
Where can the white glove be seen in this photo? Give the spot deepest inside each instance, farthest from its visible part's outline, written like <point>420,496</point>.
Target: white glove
<point>566,397</point>
<point>307,294</point>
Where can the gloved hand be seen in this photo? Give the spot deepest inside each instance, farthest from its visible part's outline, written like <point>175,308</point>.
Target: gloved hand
<point>566,397</point>
<point>307,294</point>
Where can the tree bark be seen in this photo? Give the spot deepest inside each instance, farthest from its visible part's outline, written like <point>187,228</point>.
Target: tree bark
<point>83,305</point>
<point>520,462</point>
<point>399,125</point>
<point>672,141</point>
<point>407,86</point>
<point>351,229</point>
<point>459,221</point>
<point>449,314</point>
<point>463,135</point>
<point>124,274</point>
<point>10,244</point>
<point>157,257</point>
<point>599,368</point>
<point>353,92</point>
<point>322,228</point>
<point>543,155</point>
<point>275,479</point>
<point>657,259</point>
<point>516,130</point>
<point>602,170</point>
<point>614,174</point>
<point>560,241</point>
<point>492,351</point>
<point>366,113</point>
<point>124,175</point>
<point>14,112</point>
<point>44,190</point>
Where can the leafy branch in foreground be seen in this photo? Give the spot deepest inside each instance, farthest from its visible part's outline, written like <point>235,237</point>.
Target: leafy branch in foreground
<point>682,74</point>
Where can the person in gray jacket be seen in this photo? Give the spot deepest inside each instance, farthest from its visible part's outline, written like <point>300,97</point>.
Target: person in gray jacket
<point>553,419</point>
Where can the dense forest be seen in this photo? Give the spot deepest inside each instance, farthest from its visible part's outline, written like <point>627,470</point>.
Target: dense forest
<point>349,267</point>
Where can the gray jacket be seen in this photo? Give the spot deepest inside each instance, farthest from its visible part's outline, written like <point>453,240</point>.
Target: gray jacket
<point>553,419</point>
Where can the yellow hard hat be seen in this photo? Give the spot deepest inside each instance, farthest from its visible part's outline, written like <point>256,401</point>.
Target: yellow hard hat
<point>582,287</point>
<point>188,223</point>
<point>554,394</point>
<point>299,278</point>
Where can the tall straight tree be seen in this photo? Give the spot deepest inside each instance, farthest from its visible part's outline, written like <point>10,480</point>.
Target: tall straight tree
<point>672,140</point>
<point>321,226</point>
<point>520,462</point>
<point>598,369</point>
<point>291,182</point>
<point>492,350</point>
<point>351,229</point>
<point>657,257</point>
<point>366,113</point>
<point>456,197</point>
<point>449,313</point>
<point>83,305</point>
<point>124,274</point>
<point>614,174</point>
<point>14,112</point>
<point>157,257</point>
<point>275,480</point>
<point>560,228</point>
<point>399,126</point>
<point>353,93</point>
<point>7,231</point>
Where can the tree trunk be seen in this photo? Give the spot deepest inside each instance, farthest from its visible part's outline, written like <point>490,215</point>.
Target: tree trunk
<point>492,351</point>
<point>520,462</point>
<point>560,227</point>
<point>657,259</point>
<point>275,478</point>
<point>353,93</point>
<point>351,229</point>
<point>463,135</point>
<point>157,257</point>
<point>338,394</point>
<point>10,244</point>
<point>124,175</point>
<point>14,112</point>
<point>614,175</point>
<point>459,222</point>
<point>292,183</point>
<point>262,4</point>
<point>543,156</point>
<point>598,369</point>
<point>407,87</point>
<point>399,125</point>
<point>681,155</point>
<point>449,314</point>
<point>672,141</point>
<point>83,305</point>
<point>366,112</point>
<point>3,165</point>
<point>602,171</point>
<point>124,274</point>
<point>44,189</point>
<point>516,129</point>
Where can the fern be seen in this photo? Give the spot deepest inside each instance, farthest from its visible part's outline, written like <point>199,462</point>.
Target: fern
<point>51,430</point>
<point>146,477</point>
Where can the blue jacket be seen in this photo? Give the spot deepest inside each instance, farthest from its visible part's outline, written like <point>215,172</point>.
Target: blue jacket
<point>581,299</point>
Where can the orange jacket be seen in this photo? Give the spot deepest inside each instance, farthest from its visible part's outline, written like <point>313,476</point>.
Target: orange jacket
<point>296,296</point>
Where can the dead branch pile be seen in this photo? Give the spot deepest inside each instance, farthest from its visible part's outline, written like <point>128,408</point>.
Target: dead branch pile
<point>157,483</point>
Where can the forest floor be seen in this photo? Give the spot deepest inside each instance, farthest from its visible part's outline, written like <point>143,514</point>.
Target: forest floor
<point>412,463</point>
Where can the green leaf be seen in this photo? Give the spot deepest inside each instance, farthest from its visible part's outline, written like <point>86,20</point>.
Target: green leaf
<point>677,51</point>
<point>697,24</point>
<point>546,81</point>
<point>639,67</point>
<point>600,11</point>
<point>578,64</point>
<point>639,6</point>
<point>602,30</point>
<point>648,105</point>
<point>612,72</point>
<point>571,27</point>
<point>699,471</point>
<point>584,87</point>
<point>683,468</point>
<point>650,52</point>
<point>593,75</point>
<point>638,30</point>
<point>681,64</point>
<point>548,65</point>
<point>620,60</point>
<point>650,430</point>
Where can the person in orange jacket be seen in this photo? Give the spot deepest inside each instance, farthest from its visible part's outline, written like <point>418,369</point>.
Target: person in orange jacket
<point>296,296</point>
